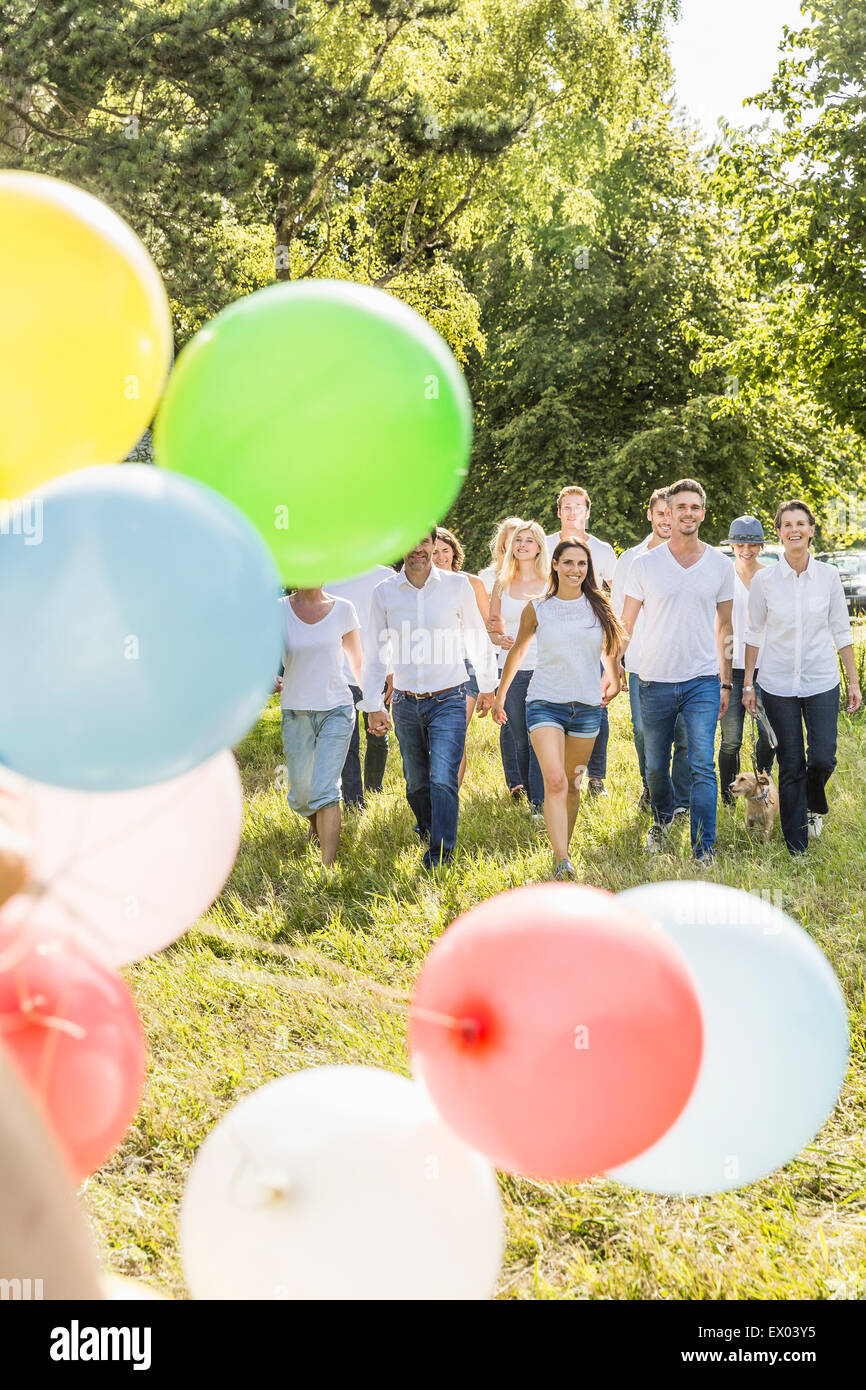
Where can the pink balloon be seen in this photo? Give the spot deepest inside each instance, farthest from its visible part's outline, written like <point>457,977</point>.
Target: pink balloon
<point>127,872</point>
<point>553,1029</point>
<point>69,1025</point>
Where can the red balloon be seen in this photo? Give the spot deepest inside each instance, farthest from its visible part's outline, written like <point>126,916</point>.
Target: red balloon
<point>576,1035</point>
<point>69,1025</point>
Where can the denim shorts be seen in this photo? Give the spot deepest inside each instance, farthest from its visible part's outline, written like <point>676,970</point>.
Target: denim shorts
<point>574,719</point>
<point>315,743</point>
<point>470,686</point>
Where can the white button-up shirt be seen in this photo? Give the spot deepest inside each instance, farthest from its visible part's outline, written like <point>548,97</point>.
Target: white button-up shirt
<point>618,597</point>
<point>800,621</point>
<point>421,635</point>
<point>603,555</point>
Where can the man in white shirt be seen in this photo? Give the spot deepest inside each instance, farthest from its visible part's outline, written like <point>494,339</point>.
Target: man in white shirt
<point>421,621</point>
<point>359,592</point>
<point>573,506</point>
<point>659,519</point>
<point>684,587</point>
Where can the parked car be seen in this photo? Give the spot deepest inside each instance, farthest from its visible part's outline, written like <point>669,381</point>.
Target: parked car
<point>851,565</point>
<point>768,556</point>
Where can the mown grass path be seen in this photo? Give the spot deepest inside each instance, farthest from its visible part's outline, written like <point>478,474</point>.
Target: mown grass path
<point>274,979</point>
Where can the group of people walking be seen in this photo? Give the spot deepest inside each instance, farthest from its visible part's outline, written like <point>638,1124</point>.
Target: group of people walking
<point>543,640</point>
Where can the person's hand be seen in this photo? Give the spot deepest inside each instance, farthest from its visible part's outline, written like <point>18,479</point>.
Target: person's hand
<point>389,690</point>
<point>855,699</point>
<point>609,689</point>
<point>278,685</point>
<point>484,704</point>
<point>506,643</point>
<point>495,626</point>
<point>379,722</point>
<point>623,678</point>
<point>724,700</point>
<point>497,714</point>
<point>750,700</point>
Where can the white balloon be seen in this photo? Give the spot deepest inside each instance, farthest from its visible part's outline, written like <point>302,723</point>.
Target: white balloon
<point>775,1040</point>
<point>129,871</point>
<point>339,1183</point>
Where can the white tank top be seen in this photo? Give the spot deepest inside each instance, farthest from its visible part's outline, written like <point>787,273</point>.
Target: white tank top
<point>512,611</point>
<point>570,640</point>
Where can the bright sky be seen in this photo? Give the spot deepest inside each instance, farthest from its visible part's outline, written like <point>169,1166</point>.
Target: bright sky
<point>726,50</point>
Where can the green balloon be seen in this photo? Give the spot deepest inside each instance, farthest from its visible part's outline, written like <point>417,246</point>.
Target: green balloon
<point>331,413</point>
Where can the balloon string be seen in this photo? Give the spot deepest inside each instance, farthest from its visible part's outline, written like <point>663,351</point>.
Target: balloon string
<point>446,1020</point>
<point>9,1023</point>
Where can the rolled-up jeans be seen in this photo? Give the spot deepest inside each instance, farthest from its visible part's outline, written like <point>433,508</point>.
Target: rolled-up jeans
<point>432,735</point>
<point>803,772</point>
<point>527,762</point>
<point>697,700</point>
<point>375,759</point>
<point>680,774</point>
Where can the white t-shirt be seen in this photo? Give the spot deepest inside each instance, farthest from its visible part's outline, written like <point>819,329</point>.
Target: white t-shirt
<point>570,639</point>
<point>359,591</point>
<point>314,677</point>
<point>512,612</point>
<point>603,556</point>
<point>617,599</point>
<point>741,621</point>
<point>679,606</point>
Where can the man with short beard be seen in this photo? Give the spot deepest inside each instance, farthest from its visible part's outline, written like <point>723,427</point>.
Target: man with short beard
<point>421,622</point>
<point>683,586</point>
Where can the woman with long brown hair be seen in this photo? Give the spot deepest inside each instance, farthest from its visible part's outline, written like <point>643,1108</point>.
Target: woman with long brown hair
<point>575,629</point>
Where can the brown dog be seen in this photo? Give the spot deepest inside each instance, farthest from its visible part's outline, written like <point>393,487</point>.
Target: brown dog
<point>762,800</point>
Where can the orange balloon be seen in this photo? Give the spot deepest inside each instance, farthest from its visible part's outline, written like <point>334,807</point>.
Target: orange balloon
<point>69,1025</point>
<point>553,1029</point>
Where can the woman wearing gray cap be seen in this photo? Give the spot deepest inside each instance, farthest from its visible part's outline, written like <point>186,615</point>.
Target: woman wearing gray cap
<point>746,539</point>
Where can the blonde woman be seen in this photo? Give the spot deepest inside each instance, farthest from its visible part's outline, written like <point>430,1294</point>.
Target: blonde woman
<point>507,748</point>
<point>523,575</point>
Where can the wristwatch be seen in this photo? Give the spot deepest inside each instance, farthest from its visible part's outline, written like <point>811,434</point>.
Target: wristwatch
<point>747,688</point>
<point>726,687</point>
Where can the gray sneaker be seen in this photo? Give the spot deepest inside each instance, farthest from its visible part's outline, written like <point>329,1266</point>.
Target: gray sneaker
<point>655,840</point>
<point>595,787</point>
<point>707,860</point>
<point>816,825</point>
<point>564,870</point>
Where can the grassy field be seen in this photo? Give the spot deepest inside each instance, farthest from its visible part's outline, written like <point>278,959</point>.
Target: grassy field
<point>278,977</point>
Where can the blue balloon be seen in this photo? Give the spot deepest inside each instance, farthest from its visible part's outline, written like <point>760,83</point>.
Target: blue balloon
<point>775,1040</point>
<point>139,628</point>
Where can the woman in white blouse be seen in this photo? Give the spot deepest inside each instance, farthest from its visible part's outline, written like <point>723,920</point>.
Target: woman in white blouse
<point>799,619</point>
<point>524,574</point>
<point>317,707</point>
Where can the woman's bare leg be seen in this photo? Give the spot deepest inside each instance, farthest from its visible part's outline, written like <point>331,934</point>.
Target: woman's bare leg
<point>328,831</point>
<point>549,744</point>
<point>577,754</point>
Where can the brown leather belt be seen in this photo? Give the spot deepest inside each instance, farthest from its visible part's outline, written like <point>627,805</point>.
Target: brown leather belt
<point>426,694</point>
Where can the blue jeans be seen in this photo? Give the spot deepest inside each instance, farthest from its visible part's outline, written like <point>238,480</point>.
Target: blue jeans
<point>508,754</point>
<point>432,735</point>
<point>529,773</point>
<point>680,774</point>
<point>732,737</point>
<point>375,758</point>
<point>597,765</point>
<point>697,701</point>
<point>803,774</point>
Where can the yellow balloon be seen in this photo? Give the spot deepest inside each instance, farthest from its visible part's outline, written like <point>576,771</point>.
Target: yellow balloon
<point>85,331</point>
